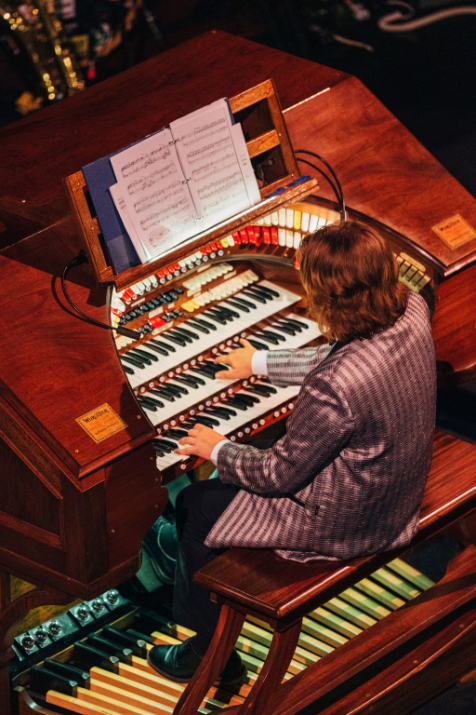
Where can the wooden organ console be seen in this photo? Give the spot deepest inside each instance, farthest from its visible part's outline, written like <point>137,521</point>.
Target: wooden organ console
<point>75,503</point>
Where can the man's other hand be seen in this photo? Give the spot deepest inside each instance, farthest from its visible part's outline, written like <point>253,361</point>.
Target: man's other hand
<point>200,440</point>
<point>239,361</point>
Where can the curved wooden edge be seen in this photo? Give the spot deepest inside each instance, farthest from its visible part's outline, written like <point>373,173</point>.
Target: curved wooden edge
<point>421,674</point>
<point>27,706</point>
<point>226,634</point>
<point>456,589</point>
<point>275,666</point>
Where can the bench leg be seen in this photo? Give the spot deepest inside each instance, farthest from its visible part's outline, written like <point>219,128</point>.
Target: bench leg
<point>226,634</point>
<point>279,657</point>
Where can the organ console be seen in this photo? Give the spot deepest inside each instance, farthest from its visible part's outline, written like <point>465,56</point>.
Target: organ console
<point>89,421</point>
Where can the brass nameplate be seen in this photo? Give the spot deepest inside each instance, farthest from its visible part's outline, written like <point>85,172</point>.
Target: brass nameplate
<point>454,231</point>
<point>101,423</point>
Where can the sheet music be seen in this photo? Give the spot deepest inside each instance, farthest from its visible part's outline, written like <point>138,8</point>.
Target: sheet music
<point>205,145</point>
<point>155,193</point>
<point>120,204</point>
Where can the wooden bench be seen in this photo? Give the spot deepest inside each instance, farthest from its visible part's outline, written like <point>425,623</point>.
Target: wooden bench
<point>392,667</point>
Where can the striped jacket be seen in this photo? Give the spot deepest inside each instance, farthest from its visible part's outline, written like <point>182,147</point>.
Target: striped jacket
<point>349,474</point>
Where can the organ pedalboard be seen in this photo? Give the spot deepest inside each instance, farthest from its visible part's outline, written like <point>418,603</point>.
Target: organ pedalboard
<point>201,307</point>
<point>92,659</point>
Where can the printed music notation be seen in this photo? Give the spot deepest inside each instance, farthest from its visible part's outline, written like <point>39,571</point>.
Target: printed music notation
<point>183,180</point>
<point>206,147</point>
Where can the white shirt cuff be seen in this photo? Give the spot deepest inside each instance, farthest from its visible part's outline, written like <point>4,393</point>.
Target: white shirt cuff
<point>258,362</point>
<point>216,449</point>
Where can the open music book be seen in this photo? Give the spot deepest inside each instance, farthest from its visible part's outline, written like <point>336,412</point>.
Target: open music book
<point>172,185</point>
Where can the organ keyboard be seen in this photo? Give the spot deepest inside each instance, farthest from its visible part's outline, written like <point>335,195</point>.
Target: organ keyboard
<point>76,504</point>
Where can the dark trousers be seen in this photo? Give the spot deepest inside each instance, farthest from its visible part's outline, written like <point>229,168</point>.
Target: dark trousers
<point>197,509</point>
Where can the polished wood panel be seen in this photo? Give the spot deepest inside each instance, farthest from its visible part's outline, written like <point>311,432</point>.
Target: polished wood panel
<point>386,174</point>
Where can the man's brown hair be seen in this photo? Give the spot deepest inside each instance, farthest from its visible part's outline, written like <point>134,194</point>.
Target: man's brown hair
<point>351,279</point>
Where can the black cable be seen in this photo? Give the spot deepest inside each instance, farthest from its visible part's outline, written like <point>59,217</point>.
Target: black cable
<point>334,187</point>
<point>78,261</point>
<point>320,158</point>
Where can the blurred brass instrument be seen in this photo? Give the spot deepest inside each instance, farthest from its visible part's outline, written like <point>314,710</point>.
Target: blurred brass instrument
<point>34,32</point>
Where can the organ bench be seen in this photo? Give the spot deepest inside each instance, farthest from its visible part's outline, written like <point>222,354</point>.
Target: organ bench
<point>403,660</point>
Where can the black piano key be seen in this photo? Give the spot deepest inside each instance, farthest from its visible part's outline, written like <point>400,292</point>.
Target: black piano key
<point>151,400</point>
<point>165,394</point>
<point>145,354</point>
<point>203,323</point>
<point>200,328</point>
<point>215,366</point>
<point>287,329</point>
<point>237,305</point>
<point>228,411</point>
<point>179,389</point>
<point>177,433</point>
<point>157,402</point>
<point>216,317</point>
<point>138,356</point>
<point>218,412</point>
<point>137,645</point>
<point>267,338</point>
<point>187,381</point>
<point>42,680</point>
<point>228,311</point>
<point>123,653</point>
<point>128,370</point>
<point>297,323</point>
<point>87,656</point>
<point>187,333</point>
<point>147,405</point>
<point>132,361</point>
<point>256,296</point>
<point>265,289</point>
<point>207,421</point>
<point>262,389</point>
<point>82,678</point>
<point>172,389</point>
<point>165,443</point>
<point>174,339</point>
<point>245,303</point>
<point>247,398</point>
<point>197,379</point>
<point>256,344</point>
<point>160,347</point>
<point>276,336</point>
<point>236,403</point>
<point>177,333</point>
<point>205,371</point>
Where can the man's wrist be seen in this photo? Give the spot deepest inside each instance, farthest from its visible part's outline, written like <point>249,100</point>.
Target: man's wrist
<point>216,449</point>
<point>259,364</point>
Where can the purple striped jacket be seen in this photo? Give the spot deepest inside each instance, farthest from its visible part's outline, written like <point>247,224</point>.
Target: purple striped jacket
<point>348,477</point>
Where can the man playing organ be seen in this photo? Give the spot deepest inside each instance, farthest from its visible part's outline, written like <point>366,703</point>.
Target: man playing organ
<point>347,478</point>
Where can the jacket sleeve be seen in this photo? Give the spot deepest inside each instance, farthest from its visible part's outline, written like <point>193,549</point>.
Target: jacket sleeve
<point>290,367</point>
<point>317,431</point>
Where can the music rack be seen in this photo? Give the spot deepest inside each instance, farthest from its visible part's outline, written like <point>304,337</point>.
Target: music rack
<point>267,140</point>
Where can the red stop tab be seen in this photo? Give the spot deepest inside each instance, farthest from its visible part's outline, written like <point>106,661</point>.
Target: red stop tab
<point>251,234</point>
<point>274,236</point>
<point>266,235</point>
<point>156,322</point>
<point>237,238</point>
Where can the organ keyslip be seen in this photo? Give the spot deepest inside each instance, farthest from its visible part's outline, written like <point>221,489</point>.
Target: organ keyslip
<point>73,509</point>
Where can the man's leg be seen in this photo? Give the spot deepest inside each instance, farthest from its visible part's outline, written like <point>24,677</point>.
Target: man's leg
<point>198,508</point>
